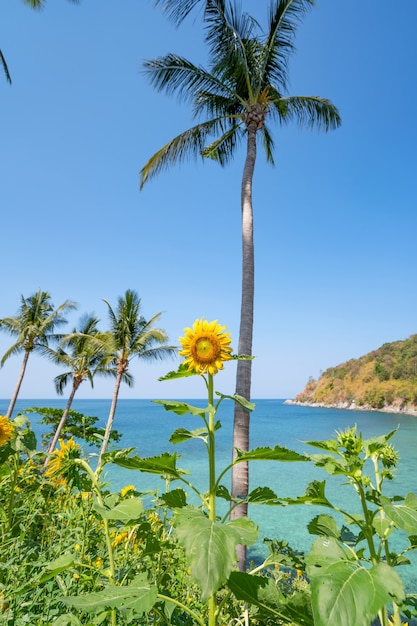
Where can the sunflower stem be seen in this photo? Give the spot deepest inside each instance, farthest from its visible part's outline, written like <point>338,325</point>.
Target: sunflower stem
<point>212,478</point>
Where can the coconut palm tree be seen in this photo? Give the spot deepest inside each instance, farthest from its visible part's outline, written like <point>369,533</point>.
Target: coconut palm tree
<point>33,328</point>
<point>82,352</point>
<point>131,336</point>
<point>241,96</point>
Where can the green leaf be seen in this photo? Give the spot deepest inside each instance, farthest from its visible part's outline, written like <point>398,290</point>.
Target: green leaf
<point>210,547</point>
<point>345,593</point>
<point>264,593</point>
<point>130,509</point>
<point>249,406</point>
<point>324,525</point>
<point>67,620</point>
<point>175,499</point>
<point>257,590</point>
<point>57,566</point>
<point>164,464</point>
<point>269,454</point>
<point>181,372</point>
<point>263,495</point>
<point>181,408</point>
<point>383,526</point>
<point>329,463</point>
<point>404,515</point>
<point>376,443</point>
<point>138,596</point>
<point>223,492</point>
<point>330,445</point>
<point>182,434</point>
<point>314,495</point>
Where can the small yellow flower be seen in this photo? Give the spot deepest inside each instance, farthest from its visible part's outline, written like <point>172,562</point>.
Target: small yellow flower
<point>76,576</point>
<point>77,547</point>
<point>6,430</point>
<point>99,562</point>
<point>205,347</point>
<point>69,450</point>
<point>127,490</point>
<point>119,539</point>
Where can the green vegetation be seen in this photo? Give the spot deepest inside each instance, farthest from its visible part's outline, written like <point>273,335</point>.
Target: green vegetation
<point>73,553</point>
<point>386,377</point>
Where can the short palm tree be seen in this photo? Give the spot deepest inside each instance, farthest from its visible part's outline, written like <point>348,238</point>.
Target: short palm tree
<point>131,336</point>
<point>82,352</point>
<point>241,97</point>
<point>33,328</point>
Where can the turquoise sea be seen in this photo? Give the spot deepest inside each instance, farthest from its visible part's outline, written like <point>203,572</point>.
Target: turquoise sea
<point>147,426</point>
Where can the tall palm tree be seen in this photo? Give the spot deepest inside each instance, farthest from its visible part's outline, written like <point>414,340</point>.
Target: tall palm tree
<point>240,97</point>
<point>131,336</point>
<point>82,352</point>
<point>33,328</point>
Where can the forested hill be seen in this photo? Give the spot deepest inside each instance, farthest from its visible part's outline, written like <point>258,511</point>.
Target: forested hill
<point>385,379</point>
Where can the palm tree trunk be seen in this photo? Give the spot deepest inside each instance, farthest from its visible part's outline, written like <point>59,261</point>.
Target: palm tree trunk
<point>60,426</point>
<point>110,420</point>
<point>19,383</point>
<point>240,472</point>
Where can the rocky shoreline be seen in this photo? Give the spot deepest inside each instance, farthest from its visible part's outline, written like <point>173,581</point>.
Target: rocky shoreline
<point>352,406</point>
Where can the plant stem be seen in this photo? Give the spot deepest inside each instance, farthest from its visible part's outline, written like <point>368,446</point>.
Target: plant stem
<point>181,606</point>
<point>96,487</point>
<point>212,479</point>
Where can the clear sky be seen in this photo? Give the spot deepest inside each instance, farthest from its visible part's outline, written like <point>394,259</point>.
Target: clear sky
<point>335,220</point>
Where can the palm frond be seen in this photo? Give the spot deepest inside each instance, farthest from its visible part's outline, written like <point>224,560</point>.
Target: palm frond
<point>268,144</point>
<point>5,68</point>
<point>312,111</point>
<point>222,149</point>
<point>174,74</point>
<point>177,10</point>
<point>187,145</point>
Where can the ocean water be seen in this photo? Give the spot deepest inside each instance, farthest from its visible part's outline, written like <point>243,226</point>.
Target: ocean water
<point>147,427</point>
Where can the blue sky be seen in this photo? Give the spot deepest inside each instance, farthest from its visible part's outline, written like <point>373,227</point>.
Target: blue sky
<point>335,220</point>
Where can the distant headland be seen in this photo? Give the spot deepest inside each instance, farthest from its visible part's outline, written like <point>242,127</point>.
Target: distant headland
<point>382,380</point>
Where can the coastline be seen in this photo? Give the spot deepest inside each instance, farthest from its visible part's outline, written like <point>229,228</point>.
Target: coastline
<point>352,406</point>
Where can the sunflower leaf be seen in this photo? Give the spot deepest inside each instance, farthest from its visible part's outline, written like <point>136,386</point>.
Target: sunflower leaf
<point>164,464</point>
<point>181,372</point>
<point>211,547</point>
<point>249,406</point>
<point>278,453</point>
<point>139,596</point>
<point>181,408</point>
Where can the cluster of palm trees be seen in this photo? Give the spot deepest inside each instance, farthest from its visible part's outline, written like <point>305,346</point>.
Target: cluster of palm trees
<point>86,351</point>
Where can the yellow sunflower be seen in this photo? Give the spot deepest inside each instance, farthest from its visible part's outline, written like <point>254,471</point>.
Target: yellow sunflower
<point>126,490</point>
<point>205,347</point>
<point>69,450</point>
<point>6,430</point>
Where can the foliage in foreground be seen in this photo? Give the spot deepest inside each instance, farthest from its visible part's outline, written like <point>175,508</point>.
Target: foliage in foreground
<point>73,553</point>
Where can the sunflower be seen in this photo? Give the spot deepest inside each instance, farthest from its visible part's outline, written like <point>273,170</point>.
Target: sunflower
<point>59,458</point>
<point>6,430</point>
<point>205,347</point>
